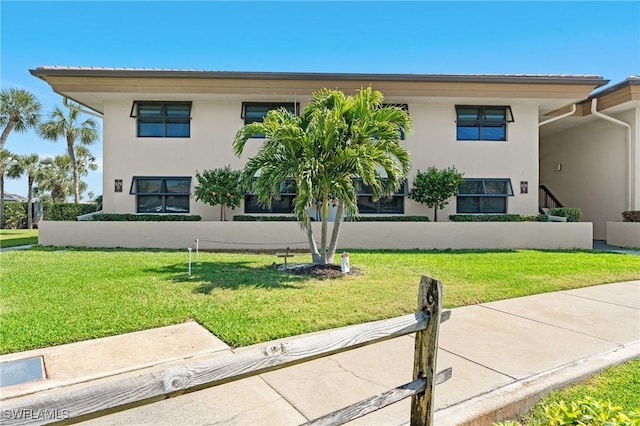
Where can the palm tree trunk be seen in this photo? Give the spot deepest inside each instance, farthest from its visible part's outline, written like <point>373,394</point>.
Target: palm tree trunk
<point>30,203</point>
<point>313,247</point>
<point>5,132</point>
<point>74,165</point>
<point>323,232</point>
<point>335,232</point>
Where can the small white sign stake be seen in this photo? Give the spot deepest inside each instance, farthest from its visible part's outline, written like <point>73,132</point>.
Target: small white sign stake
<point>345,263</point>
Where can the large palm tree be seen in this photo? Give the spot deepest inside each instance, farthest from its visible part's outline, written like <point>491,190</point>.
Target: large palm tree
<point>7,158</point>
<point>56,177</point>
<point>30,165</point>
<point>72,130</point>
<point>19,111</point>
<point>336,139</point>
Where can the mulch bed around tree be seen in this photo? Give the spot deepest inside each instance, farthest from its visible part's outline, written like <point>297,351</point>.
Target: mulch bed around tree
<point>318,271</point>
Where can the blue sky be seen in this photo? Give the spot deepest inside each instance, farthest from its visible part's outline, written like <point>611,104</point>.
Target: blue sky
<point>453,37</point>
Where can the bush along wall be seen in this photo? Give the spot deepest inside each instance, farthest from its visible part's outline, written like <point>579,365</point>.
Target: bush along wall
<point>66,211</point>
<point>497,218</point>
<point>113,217</point>
<point>631,216</point>
<point>572,214</point>
<point>15,215</point>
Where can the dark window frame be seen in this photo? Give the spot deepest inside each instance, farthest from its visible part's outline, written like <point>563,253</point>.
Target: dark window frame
<point>162,192</point>
<point>251,204</point>
<point>365,199</point>
<point>165,119</point>
<point>485,197</point>
<point>292,107</point>
<point>483,121</point>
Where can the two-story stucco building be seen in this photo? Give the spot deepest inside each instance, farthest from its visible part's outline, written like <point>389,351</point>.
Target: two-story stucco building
<point>507,133</point>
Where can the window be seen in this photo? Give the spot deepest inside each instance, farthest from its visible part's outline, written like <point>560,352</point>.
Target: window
<point>253,112</point>
<point>161,194</point>
<point>403,107</point>
<point>386,205</point>
<point>283,205</point>
<point>482,123</point>
<point>162,119</point>
<point>484,195</point>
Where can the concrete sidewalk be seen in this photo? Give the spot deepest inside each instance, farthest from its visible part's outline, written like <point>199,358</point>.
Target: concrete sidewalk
<point>504,356</point>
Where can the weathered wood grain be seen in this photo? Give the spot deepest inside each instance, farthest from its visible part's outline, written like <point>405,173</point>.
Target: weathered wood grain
<point>426,351</point>
<point>85,401</point>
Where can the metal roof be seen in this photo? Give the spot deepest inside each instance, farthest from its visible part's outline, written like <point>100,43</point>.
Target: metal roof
<point>71,71</point>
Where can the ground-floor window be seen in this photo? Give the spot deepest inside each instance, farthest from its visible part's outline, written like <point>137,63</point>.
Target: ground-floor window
<point>161,194</point>
<point>484,196</point>
<point>387,205</point>
<point>282,205</point>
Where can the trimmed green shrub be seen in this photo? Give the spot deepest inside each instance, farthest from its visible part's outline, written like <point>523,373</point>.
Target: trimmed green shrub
<point>127,217</point>
<point>15,215</point>
<point>497,218</point>
<point>587,411</point>
<point>249,218</point>
<point>66,211</point>
<point>572,214</point>
<point>388,219</point>
<point>631,216</point>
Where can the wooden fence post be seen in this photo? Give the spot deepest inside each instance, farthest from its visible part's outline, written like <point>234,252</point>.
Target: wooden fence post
<point>426,350</point>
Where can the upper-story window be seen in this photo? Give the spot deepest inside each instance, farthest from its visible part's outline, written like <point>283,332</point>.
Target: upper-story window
<point>254,112</point>
<point>484,196</point>
<point>162,119</point>
<point>403,107</point>
<point>482,123</point>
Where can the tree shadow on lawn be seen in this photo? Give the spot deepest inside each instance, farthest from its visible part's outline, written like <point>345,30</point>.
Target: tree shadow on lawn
<point>231,276</point>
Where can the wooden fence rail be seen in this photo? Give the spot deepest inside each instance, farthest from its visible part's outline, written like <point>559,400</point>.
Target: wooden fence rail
<point>85,401</point>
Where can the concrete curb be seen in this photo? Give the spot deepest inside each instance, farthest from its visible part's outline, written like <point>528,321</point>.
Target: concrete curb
<point>507,402</point>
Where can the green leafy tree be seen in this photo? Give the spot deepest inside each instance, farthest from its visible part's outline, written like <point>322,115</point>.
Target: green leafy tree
<point>30,166</point>
<point>435,187</point>
<point>219,187</point>
<point>336,138</point>
<point>73,130</point>
<point>7,159</point>
<point>19,111</point>
<point>56,178</point>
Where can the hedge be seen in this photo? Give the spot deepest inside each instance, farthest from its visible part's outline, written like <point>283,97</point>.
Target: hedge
<point>497,218</point>
<point>127,217</point>
<point>572,214</point>
<point>388,219</point>
<point>15,215</point>
<point>631,216</point>
<point>249,218</point>
<point>66,211</point>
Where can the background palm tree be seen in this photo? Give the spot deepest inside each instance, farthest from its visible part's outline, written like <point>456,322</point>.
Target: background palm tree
<point>72,130</point>
<point>56,177</point>
<point>30,165</point>
<point>335,140</point>
<point>7,159</point>
<point>19,111</point>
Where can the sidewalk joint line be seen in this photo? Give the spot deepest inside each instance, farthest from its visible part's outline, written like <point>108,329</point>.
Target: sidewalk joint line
<point>284,398</point>
<point>551,325</point>
<point>477,363</point>
<point>566,292</point>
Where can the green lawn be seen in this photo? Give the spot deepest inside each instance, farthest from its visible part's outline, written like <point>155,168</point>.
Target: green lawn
<point>18,237</point>
<point>51,297</point>
<point>620,385</point>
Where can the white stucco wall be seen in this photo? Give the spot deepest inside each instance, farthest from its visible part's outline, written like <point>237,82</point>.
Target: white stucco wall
<point>280,235</point>
<point>216,119</point>
<point>593,175</point>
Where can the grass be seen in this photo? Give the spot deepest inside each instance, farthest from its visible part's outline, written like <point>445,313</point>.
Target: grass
<point>619,384</point>
<point>18,237</point>
<point>50,296</point>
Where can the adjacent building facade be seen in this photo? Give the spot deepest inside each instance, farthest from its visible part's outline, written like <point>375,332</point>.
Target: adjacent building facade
<point>508,134</point>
